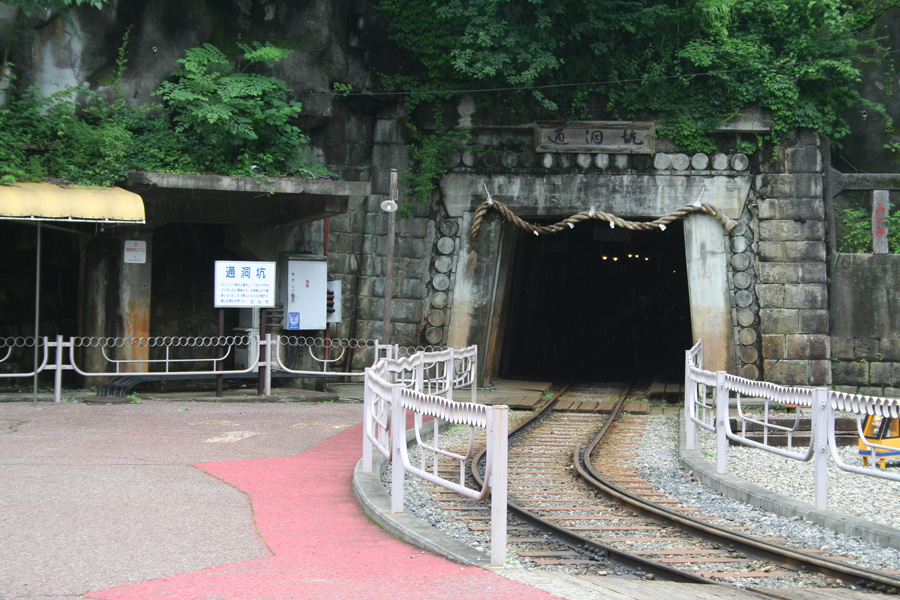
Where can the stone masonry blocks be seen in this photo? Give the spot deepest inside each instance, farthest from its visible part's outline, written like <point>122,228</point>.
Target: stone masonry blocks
<point>866,348</point>
<point>807,346</point>
<point>800,185</point>
<point>777,272</point>
<point>786,230</point>
<point>773,346</point>
<point>842,348</point>
<point>806,296</point>
<point>792,251</point>
<point>805,159</point>
<point>820,372</point>
<point>788,372</point>
<point>880,373</point>
<point>814,321</point>
<point>770,295</point>
<point>807,209</point>
<point>851,373</point>
<point>779,320</point>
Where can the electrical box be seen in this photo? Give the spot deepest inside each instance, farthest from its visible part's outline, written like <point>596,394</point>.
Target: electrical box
<point>304,290</point>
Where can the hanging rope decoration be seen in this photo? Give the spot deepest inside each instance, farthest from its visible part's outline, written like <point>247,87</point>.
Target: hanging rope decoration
<point>569,223</point>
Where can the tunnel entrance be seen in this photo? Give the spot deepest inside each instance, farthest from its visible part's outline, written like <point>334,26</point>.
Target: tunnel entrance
<point>597,304</point>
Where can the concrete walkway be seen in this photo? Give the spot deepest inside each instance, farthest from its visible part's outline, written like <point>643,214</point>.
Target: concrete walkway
<point>186,500</point>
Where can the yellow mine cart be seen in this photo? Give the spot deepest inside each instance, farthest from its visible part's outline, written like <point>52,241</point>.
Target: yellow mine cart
<point>884,431</point>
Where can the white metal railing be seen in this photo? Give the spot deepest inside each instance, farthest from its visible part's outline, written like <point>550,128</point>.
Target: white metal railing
<point>182,356</point>
<point>713,414</point>
<point>394,386</point>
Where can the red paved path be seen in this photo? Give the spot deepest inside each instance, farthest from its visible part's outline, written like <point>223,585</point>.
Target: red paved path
<point>323,546</point>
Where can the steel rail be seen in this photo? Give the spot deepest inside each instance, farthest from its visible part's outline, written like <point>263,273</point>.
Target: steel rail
<point>578,542</point>
<point>781,555</point>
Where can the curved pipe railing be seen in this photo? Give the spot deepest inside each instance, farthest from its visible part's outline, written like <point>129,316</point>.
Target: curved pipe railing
<point>422,384</point>
<point>713,414</point>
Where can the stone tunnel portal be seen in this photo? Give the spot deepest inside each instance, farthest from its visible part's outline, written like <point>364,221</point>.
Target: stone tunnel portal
<point>597,303</point>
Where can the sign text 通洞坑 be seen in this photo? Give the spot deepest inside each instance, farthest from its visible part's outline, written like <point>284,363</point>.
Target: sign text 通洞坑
<point>615,137</point>
<point>242,284</point>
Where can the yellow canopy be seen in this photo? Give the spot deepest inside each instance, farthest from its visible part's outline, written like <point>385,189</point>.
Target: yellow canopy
<point>49,202</point>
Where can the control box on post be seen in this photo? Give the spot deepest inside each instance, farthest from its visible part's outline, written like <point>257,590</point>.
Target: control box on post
<point>304,290</point>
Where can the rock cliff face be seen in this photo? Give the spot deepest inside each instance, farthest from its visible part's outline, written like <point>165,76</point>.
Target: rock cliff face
<point>327,37</point>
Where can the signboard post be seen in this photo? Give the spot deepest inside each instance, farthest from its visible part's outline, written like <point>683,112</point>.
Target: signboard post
<point>881,206</point>
<point>244,284</point>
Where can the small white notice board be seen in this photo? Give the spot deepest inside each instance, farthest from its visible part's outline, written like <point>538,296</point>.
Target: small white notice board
<point>244,284</point>
<point>136,251</point>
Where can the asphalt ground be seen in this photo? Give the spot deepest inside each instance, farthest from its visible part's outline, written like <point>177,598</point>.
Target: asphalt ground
<point>102,495</point>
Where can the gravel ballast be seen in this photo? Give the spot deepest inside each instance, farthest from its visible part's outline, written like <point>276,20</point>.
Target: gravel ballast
<point>657,460</point>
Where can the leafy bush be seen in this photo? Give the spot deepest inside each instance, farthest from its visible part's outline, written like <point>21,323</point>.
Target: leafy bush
<point>217,117</point>
<point>855,231</point>
<point>238,118</point>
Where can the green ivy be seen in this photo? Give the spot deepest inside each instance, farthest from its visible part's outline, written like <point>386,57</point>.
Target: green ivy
<point>428,160</point>
<point>695,64</point>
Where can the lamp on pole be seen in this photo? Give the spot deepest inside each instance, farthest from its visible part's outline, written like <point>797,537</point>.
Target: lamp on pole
<point>390,207</point>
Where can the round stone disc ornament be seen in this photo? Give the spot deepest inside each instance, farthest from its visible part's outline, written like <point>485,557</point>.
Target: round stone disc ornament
<point>436,317</point>
<point>747,336</point>
<point>445,245</point>
<point>440,282</point>
<point>449,227</point>
<point>445,263</point>
<point>434,335</point>
<point>439,300</point>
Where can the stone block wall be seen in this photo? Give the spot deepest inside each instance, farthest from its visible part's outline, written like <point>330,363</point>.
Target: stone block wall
<point>791,286</point>
<point>865,345</point>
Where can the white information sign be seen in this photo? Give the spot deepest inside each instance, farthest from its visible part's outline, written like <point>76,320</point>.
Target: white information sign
<point>135,251</point>
<point>243,284</point>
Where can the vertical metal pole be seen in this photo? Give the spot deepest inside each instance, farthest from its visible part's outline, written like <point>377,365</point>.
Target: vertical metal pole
<point>267,389</point>
<point>398,438</point>
<point>368,422</point>
<point>722,415</point>
<point>690,399</point>
<point>37,313</point>
<point>389,262</point>
<point>261,371</point>
<point>220,381</point>
<point>499,488</point>
<point>57,376</point>
<point>822,422</point>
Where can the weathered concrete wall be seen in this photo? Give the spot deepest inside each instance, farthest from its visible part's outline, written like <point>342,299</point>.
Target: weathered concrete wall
<point>865,321</point>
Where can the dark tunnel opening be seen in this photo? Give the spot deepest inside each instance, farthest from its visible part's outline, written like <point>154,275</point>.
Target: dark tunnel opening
<point>598,304</point>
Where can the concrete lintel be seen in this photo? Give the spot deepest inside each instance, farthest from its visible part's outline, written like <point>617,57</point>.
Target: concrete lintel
<point>749,120</point>
<point>180,198</point>
<point>863,181</point>
<point>250,185</point>
<point>627,196</point>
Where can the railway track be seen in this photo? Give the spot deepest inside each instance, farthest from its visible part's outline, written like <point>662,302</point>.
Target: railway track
<point>576,504</point>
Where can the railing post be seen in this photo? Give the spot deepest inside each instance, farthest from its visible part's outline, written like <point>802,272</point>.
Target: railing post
<point>722,415</point>
<point>398,438</point>
<point>821,424</point>
<point>690,399</point>
<point>368,418</point>
<point>267,390</point>
<point>499,441</point>
<point>449,374</point>
<point>57,377</point>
